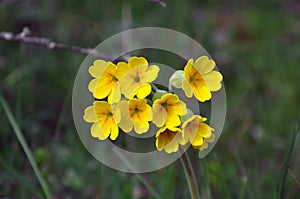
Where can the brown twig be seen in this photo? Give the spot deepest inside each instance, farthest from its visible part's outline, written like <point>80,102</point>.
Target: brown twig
<point>159,2</point>
<point>24,37</point>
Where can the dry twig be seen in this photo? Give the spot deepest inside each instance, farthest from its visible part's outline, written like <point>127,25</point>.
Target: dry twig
<point>159,2</point>
<point>24,37</point>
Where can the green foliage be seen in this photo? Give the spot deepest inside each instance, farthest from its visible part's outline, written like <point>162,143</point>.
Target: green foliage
<point>256,45</point>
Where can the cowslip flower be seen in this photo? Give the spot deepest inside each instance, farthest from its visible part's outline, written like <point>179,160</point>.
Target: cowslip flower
<point>105,118</point>
<point>136,76</point>
<point>205,142</point>
<point>167,109</point>
<point>105,83</point>
<point>195,130</point>
<point>200,79</point>
<point>168,139</point>
<point>136,114</point>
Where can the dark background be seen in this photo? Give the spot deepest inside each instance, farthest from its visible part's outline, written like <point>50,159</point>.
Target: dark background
<point>256,45</point>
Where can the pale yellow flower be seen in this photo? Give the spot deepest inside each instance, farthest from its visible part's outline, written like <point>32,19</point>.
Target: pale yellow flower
<point>167,109</point>
<point>195,130</point>
<point>136,114</point>
<point>105,118</point>
<point>200,79</point>
<point>168,139</point>
<point>105,83</point>
<point>136,76</point>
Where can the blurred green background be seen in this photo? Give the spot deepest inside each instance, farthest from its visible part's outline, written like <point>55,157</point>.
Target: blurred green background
<point>256,45</point>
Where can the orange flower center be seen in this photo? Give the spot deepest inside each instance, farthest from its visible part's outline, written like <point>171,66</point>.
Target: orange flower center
<point>137,79</point>
<point>114,79</point>
<point>165,104</point>
<point>192,79</point>
<point>136,110</point>
<point>109,114</point>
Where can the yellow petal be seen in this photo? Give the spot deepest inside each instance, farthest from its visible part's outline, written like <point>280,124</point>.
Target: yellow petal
<point>159,115</point>
<point>202,147</point>
<point>116,113</point>
<point>170,98</point>
<point>102,91</point>
<point>97,132</point>
<point>202,93</point>
<point>98,68</point>
<point>90,114</point>
<point>143,91</point>
<point>105,126</point>
<point>114,131</point>
<point>172,120</point>
<point>160,142</point>
<point>140,129</point>
<point>150,74</point>
<point>129,89</point>
<point>115,95</point>
<point>101,107</point>
<point>180,108</point>
<point>197,140</point>
<point>204,65</point>
<point>93,85</point>
<point>146,113</point>
<point>211,138</point>
<point>204,130</point>
<point>181,139</point>
<point>138,61</point>
<point>125,124</point>
<point>143,116</point>
<point>172,146</point>
<point>187,88</point>
<point>189,68</point>
<point>213,80</point>
<point>122,69</point>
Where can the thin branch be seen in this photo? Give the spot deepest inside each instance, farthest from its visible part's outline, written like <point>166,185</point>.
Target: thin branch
<point>24,37</point>
<point>159,2</point>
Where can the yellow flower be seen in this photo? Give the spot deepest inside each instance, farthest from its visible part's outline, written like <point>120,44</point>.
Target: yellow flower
<point>136,76</point>
<point>195,130</point>
<point>205,143</point>
<point>200,79</point>
<point>168,138</point>
<point>135,114</point>
<point>105,118</point>
<point>167,109</point>
<point>105,82</point>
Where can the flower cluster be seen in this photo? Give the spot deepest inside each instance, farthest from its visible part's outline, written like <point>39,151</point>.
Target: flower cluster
<point>126,99</point>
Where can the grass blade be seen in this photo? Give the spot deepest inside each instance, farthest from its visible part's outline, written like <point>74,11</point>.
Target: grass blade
<point>25,147</point>
<point>280,190</point>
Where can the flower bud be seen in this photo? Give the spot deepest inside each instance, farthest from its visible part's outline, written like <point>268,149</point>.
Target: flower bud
<point>176,78</point>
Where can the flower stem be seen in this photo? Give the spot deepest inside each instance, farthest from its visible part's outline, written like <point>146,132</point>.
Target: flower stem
<point>154,87</point>
<point>190,176</point>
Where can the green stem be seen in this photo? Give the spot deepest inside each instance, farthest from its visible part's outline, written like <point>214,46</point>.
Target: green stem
<point>190,176</point>
<point>154,87</point>
<point>285,167</point>
<point>25,147</point>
